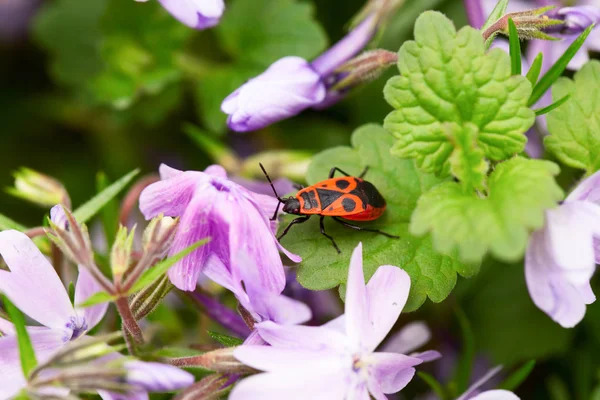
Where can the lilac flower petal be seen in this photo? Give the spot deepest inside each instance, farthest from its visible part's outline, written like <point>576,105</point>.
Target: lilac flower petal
<point>85,287</point>
<point>6,326</point>
<point>283,186</point>
<point>291,386</point>
<point>286,88</point>
<point>304,337</point>
<point>281,309</point>
<point>337,324</point>
<point>427,356</point>
<point>139,395</point>
<point>170,196</point>
<point>58,216</point>
<point>587,190</point>
<point>570,230</point>
<point>375,390</point>
<point>358,390</point>
<point>32,284</point>
<point>157,377</point>
<point>387,292</point>
<point>409,338</point>
<point>496,395</point>
<point>357,321</point>
<point>299,360</point>
<point>352,44</point>
<point>392,371</point>
<point>484,379</point>
<point>167,172</point>
<point>195,224</point>
<point>254,339</point>
<point>216,170</point>
<point>218,312</point>
<point>197,14</point>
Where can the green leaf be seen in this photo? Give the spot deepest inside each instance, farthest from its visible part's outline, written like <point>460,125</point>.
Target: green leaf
<point>558,67</point>
<point>507,325</point>
<point>433,384</point>
<point>517,377</point>
<point>26,353</point>
<point>536,67</point>
<point>515,48</point>
<point>110,212</point>
<point>432,274</point>
<point>467,353</point>
<point>556,104</point>
<point>139,46</point>
<point>7,223</point>
<point>519,192</point>
<point>152,274</point>
<point>497,13</point>
<point>575,126</point>
<point>96,298</point>
<point>449,87</point>
<point>70,31</point>
<point>225,340</point>
<point>71,292</point>
<point>249,26</point>
<point>86,211</point>
<point>176,352</point>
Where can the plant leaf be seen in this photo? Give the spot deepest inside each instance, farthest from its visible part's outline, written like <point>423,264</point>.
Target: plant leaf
<point>515,48</point>
<point>467,353</point>
<point>432,274</point>
<point>433,384</point>
<point>519,192</point>
<point>558,67</point>
<point>497,13</point>
<point>86,211</point>
<point>517,377</point>
<point>556,104</point>
<point>96,298</point>
<point>536,67</point>
<point>152,274</point>
<point>225,340</point>
<point>7,223</point>
<point>575,126</point>
<point>448,87</point>
<point>110,212</point>
<point>26,353</point>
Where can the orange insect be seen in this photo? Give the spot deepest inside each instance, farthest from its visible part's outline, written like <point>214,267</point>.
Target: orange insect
<point>349,197</point>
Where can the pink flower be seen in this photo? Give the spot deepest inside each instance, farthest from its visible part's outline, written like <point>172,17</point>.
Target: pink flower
<point>210,205</point>
<point>562,256</point>
<point>337,360</point>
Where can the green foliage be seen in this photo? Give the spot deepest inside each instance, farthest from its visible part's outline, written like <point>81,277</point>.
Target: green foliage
<point>432,274</point>
<point>453,97</point>
<point>86,211</point>
<point>497,13</point>
<point>26,353</point>
<point>519,190</point>
<point>517,377</point>
<point>225,340</point>
<point>246,33</point>
<point>508,326</point>
<point>515,48</point>
<point>575,126</point>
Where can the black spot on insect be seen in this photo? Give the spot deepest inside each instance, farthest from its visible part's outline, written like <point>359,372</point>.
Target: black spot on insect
<point>307,203</point>
<point>324,185</point>
<point>348,204</point>
<point>328,196</point>
<point>342,184</point>
<point>330,208</point>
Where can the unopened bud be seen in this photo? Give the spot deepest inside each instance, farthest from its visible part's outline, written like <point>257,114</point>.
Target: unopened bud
<point>120,255</point>
<point>208,388</point>
<point>38,188</point>
<point>70,236</point>
<point>362,69</point>
<point>531,24</point>
<point>292,164</point>
<point>159,236</point>
<point>220,360</point>
<point>146,300</point>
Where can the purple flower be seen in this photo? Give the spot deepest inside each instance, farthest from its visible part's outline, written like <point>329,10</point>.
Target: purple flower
<point>197,14</point>
<point>561,257</point>
<point>210,205</point>
<point>473,392</point>
<point>292,84</point>
<point>337,360</point>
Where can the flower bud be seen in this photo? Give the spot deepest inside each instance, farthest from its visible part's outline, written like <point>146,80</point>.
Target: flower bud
<point>38,188</point>
<point>208,388</point>
<point>71,237</point>
<point>531,24</point>
<point>146,300</point>
<point>159,235</point>
<point>363,69</point>
<point>120,255</point>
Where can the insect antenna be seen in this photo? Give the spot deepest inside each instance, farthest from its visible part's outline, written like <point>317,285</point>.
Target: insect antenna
<point>271,183</point>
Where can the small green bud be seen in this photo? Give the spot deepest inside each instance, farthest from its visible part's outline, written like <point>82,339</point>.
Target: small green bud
<point>159,235</point>
<point>530,24</point>
<point>120,255</point>
<point>38,188</point>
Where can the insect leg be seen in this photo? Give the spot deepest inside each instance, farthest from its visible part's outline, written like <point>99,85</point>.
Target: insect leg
<point>362,174</point>
<point>359,228</point>
<point>298,220</point>
<point>327,236</point>
<point>274,217</point>
<point>332,172</point>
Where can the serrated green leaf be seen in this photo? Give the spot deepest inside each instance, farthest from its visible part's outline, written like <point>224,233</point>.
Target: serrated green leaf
<point>519,190</point>
<point>225,340</point>
<point>467,162</point>
<point>515,48</point>
<point>557,69</point>
<point>26,353</point>
<point>86,211</point>
<point>447,86</point>
<point>152,274</point>
<point>432,274</point>
<point>575,126</point>
<point>517,377</point>
<point>249,26</point>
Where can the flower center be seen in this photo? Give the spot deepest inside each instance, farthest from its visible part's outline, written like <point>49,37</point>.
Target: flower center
<point>219,185</point>
<point>77,326</point>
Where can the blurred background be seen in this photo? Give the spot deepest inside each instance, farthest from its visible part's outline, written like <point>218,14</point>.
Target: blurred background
<point>108,85</point>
